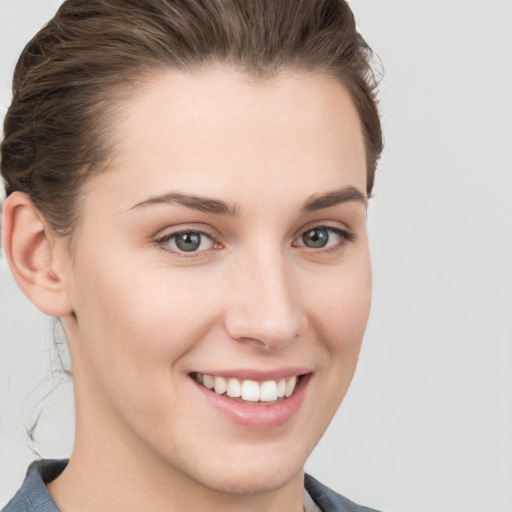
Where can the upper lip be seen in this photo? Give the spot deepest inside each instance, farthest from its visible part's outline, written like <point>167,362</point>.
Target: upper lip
<point>256,374</point>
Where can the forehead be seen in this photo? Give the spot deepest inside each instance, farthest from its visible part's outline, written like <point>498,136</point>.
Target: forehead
<point>214,128</point>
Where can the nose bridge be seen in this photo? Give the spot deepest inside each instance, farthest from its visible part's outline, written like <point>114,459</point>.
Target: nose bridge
<point>264,309</point>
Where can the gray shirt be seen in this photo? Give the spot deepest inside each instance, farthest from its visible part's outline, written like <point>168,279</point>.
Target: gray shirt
<point>33,496</point>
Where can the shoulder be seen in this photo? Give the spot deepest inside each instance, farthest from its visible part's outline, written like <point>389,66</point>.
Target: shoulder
<point>33,496</point>
<point>330,501</point>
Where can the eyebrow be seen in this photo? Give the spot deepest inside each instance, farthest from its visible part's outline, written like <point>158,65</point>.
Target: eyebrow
<point>200,203</point>
<point>329,199</point>
<point>218,207</point>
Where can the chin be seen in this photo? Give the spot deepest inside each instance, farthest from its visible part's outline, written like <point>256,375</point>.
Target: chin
<point>246,473</point>
<point>244,481</point>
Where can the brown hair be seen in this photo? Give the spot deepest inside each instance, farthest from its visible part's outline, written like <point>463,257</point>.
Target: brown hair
<point>75,71</point>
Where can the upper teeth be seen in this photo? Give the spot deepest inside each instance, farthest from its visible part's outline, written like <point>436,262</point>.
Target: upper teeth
<point>249,390</point>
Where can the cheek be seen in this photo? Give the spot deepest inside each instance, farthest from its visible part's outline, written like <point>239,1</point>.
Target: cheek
<point>339,308</point>
<point>147,318</point>
<point>130,316</point>
<point>133,331</point>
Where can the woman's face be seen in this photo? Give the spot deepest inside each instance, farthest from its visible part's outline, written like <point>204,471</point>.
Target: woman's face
<point>225,246</point>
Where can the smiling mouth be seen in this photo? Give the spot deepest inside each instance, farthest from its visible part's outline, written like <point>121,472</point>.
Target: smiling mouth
<point>264,393</point>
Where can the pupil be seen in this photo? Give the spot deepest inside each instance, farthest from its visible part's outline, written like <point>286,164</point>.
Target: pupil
<point>188,241</point>
<point>315,238</point>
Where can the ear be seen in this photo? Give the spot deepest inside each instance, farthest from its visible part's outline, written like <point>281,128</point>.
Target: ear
<point>36,256</point>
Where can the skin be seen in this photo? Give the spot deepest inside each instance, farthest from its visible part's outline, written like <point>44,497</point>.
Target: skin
<point>140,316</point>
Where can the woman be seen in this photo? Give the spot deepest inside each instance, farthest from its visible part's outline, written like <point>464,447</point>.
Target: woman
<point>186,191</point>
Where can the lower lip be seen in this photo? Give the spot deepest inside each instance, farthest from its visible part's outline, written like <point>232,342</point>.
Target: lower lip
<point>258,417</point>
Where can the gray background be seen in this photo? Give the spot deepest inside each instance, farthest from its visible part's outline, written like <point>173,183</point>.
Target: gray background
<point>427,424</point>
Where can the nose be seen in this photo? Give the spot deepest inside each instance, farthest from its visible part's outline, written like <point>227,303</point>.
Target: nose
<point>264,308</point>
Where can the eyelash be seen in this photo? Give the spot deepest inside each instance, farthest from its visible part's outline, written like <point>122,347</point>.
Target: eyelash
<point>344,235</point>
<point>164,242</point>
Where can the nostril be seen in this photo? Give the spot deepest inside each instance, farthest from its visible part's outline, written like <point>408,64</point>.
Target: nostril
<point>269,333</point>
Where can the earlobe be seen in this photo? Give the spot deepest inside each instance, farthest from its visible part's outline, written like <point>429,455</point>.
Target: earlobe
<point>34,255</point>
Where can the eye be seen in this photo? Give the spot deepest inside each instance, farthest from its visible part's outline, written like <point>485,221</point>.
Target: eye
<point>320,237</point>
<point>187,241</point>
